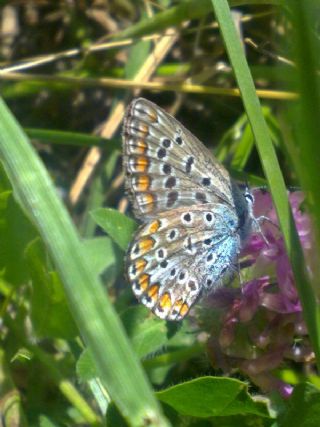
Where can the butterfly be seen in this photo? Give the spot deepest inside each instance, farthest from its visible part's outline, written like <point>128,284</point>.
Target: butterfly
<point>195,218</point>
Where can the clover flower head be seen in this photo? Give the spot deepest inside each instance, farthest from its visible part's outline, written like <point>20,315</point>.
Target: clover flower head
<point>262,320</point>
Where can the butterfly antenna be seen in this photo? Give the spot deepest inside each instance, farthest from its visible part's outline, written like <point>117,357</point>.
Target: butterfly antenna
<point>292,188</point>
<point>262,188</point>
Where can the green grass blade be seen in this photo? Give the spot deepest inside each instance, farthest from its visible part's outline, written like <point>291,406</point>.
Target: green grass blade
<point>176,15</point>
<point>306,116</point>
<point>271,168</point>
<point>101,329</point>
<point>72,138</point>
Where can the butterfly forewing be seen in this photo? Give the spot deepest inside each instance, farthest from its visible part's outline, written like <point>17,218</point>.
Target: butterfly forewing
<point>166,166</point>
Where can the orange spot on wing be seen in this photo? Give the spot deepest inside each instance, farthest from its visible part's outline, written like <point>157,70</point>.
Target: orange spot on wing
<point>152,116</point>
<point>144,281</point>
<point>140,265</point>
<point>139,146</point>
<point>153,292</point>
<point>165,301</point>
<point>146,244</point>
<point>154,226</point>
<point>141,164</point>
<point>148,199</point>
<point>184,309</point>
<point>143,183</point>
<point>178,305</point>
<point>143,128</point>
<point>181,307</point>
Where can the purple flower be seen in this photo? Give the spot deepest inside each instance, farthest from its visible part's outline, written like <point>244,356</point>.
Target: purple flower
<point>267,250</point>
<point>262,319</point>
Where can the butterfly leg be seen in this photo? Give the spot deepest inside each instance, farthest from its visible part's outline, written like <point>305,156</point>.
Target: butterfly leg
<point>257,227</point>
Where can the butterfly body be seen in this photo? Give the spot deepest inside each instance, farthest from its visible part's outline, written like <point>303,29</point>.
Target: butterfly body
<point>195,218</point>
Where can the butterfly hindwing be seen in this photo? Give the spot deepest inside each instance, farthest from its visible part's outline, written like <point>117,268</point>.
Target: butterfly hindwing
<point>182,253</point>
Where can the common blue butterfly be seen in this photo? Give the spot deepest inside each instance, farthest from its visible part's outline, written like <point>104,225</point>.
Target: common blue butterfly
<point>195,218</point>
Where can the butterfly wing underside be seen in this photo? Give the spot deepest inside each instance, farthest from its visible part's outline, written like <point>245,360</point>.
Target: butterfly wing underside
<point>166,166</point>
<point>181,254</point>
<point>189,240</point>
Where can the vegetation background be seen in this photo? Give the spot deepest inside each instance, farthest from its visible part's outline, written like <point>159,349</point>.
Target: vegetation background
<point>75,348</point>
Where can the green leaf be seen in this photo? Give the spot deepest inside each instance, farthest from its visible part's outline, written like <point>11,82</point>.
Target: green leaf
<point>100,253</point>
<point>16,232</point>
<point>117,225</point>
<point>303,407</point>
<point>50,313</point>
<point>147,334</point>
<point>46,422</point>
<point>229,141</point>
<point>4,181</point>
<point>99,192</point>
<point>211,397</point>
<point>87,372</point>
<point>114,418</point>
<point>243,149</point>
<point>137,55</point>
<point>85,366</point>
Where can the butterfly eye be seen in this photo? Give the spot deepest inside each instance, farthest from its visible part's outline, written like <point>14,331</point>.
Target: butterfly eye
<point>249,197</point>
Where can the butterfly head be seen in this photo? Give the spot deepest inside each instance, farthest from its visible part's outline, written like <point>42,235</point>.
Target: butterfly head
<point>249,197</point>
<point>243,201</point>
